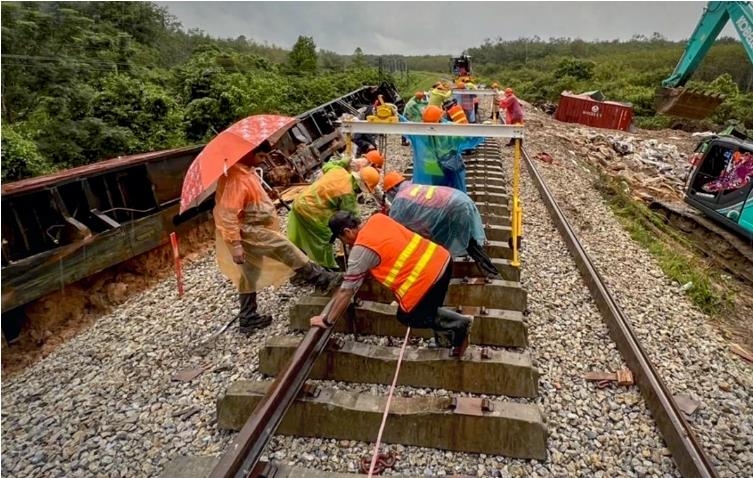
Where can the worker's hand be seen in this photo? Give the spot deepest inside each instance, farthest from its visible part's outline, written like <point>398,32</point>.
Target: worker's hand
<point>318,321</point>
<point>239,257</point>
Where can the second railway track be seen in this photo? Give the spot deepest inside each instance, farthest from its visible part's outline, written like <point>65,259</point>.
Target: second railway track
<point>108,402</point>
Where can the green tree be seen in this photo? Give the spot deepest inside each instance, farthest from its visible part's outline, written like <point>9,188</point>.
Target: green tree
<point>302,58</point>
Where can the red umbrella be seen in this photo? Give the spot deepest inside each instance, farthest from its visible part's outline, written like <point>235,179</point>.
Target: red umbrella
<point>226,149</point>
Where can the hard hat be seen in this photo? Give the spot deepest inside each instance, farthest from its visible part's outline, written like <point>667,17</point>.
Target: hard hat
<point>432,114</point>
<point>508,91</point>
<point>392,179</point>
<point>419,95</point>
<point>495,85</point>
<point>375,158</point>
<point>369,177</point>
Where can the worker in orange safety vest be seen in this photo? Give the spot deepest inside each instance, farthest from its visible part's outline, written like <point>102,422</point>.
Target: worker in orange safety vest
<point>416,270</point>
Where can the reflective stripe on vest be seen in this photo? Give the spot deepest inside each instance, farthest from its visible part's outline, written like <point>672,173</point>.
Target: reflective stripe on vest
<point>425,258</point>
<point>429,192</point>
<point>457,115</point>
<point>400,262</point>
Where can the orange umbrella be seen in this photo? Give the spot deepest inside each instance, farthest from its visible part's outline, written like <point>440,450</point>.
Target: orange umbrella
<point>226,149</point>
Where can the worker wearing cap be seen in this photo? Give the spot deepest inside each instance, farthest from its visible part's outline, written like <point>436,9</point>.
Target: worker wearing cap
<point>250,249</point>
<point>445,215</point>
<point>416,270</point>
<point>439,94</point>
<point>308,219</point>
<point>495,102</point>
<point>437,159</point>
<point>513,110</point>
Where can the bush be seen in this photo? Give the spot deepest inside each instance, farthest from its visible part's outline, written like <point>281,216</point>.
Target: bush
<point>20,157</point>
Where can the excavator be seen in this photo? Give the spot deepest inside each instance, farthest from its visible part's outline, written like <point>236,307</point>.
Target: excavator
<point>460,67</point>
<point>673,98</point>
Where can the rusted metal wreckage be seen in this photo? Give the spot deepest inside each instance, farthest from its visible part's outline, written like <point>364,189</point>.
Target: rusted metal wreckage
<point>63,227</point>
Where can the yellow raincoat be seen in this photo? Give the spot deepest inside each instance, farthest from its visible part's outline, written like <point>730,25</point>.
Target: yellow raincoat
<point>244,212</point>
<point>308,219</point>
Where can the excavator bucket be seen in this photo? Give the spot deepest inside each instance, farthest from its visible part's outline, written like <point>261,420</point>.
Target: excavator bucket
<point>686,103</point>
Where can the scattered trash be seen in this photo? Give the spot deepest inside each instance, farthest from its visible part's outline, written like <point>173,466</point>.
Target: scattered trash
<point>686,404</point>
<point>189,373</point>
<point>687,286</point>
<point>623,377</point>
<point>545,157</point>
<point>738,350</point>
<point>384,461</point>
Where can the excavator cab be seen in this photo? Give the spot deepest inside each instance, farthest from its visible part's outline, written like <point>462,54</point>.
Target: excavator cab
<point>720,183</point>
<point>676,100</point>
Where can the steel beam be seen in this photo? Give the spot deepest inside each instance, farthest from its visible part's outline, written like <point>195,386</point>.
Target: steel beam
<point>501,328</point>
<point>493,372</point>
<point>433,129</point>
<point>473,425</point>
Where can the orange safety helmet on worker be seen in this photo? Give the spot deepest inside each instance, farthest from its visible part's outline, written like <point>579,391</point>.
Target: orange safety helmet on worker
<point>432,114</point>
<point>392,179</point>
<point>409,264</point>
<point>367,178</point>
<point>375,158</point>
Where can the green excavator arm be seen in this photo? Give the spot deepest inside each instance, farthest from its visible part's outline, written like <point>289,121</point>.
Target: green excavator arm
<point>673,98</point>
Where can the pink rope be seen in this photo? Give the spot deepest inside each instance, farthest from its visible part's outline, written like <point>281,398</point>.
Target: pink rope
<point>387,406</point>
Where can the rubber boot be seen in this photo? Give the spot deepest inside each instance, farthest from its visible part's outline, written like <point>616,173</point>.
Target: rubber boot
<point>318,276</point>
<point>460,327</point>
<point>482,260</point>
<point>248,319</point>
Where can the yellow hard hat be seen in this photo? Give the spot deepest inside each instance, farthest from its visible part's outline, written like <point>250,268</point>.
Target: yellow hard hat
<point>369,178</point>
<point>392,179</point>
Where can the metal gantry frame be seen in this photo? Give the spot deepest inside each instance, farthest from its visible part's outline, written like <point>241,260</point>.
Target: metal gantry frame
<point>515,132</point>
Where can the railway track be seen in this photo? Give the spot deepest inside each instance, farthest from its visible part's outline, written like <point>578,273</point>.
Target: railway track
<point>488,394</point>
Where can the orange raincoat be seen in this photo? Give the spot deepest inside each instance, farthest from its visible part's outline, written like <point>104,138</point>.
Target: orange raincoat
<point>244,212</point>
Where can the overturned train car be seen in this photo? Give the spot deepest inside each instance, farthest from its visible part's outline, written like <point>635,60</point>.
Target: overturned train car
<point>63,227</point>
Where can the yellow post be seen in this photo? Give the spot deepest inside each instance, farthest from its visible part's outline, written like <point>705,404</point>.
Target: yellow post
<point>517,210</point>
<point>348,146</point>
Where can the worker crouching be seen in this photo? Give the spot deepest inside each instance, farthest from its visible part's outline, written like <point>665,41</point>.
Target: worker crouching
<point>416,270</point>
<point>445,215</point>
<point>251,250</point>
<point>308,219</point>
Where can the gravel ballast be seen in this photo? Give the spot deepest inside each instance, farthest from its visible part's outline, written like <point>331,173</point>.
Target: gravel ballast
<point>104,404</point>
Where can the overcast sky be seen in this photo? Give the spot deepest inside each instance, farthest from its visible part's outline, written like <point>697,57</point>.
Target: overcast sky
<point>412,28</point>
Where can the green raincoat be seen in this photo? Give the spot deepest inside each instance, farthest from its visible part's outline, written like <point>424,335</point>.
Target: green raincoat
<point>308,219</point>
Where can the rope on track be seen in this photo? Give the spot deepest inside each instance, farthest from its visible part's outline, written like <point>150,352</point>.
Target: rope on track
<point>387,405</point>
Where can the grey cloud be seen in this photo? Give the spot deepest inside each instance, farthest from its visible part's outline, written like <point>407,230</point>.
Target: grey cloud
<point>435,27</point>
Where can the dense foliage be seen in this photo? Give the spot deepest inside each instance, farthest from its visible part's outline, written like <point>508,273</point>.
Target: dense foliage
<point>89,81</point>
<point>85,81</point>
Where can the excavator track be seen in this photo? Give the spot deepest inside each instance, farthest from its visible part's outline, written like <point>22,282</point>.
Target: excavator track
<point>733,253</point>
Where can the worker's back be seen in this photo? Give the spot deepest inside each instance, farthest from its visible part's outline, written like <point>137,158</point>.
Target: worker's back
<point>443,214</point>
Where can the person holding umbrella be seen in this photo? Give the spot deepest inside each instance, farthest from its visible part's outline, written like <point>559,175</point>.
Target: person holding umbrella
<point>251,250</point>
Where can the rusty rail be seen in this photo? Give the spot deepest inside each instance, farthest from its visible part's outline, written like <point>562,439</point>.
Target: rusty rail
<point>244,453</point>
<point>687,452</point>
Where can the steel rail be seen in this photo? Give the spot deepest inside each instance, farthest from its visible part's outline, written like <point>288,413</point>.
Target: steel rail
<point>246,449</point>
<point>682,442</point>
<point>433,129</point>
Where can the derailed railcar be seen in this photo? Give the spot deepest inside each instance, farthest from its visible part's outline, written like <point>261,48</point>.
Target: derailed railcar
<point>63,227</point>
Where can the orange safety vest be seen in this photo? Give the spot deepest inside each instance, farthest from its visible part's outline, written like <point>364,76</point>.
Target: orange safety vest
<point>457,115</point>
<point>409,264</point>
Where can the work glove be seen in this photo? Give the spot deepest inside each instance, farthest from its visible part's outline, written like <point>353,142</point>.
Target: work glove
<point>237,251</point>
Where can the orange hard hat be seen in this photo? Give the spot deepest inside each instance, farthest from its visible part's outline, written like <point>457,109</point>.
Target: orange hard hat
<point>375,158</point>
<point>369,177</point>
<point>508,91</point>
<point>432,114</point>
<point>419,95</point>
<point>392,179</point>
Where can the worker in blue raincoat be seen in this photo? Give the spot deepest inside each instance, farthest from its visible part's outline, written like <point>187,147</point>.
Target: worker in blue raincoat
<point>437,160</point>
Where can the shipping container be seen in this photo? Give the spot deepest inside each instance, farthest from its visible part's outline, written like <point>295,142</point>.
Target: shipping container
<point>599,114</point>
